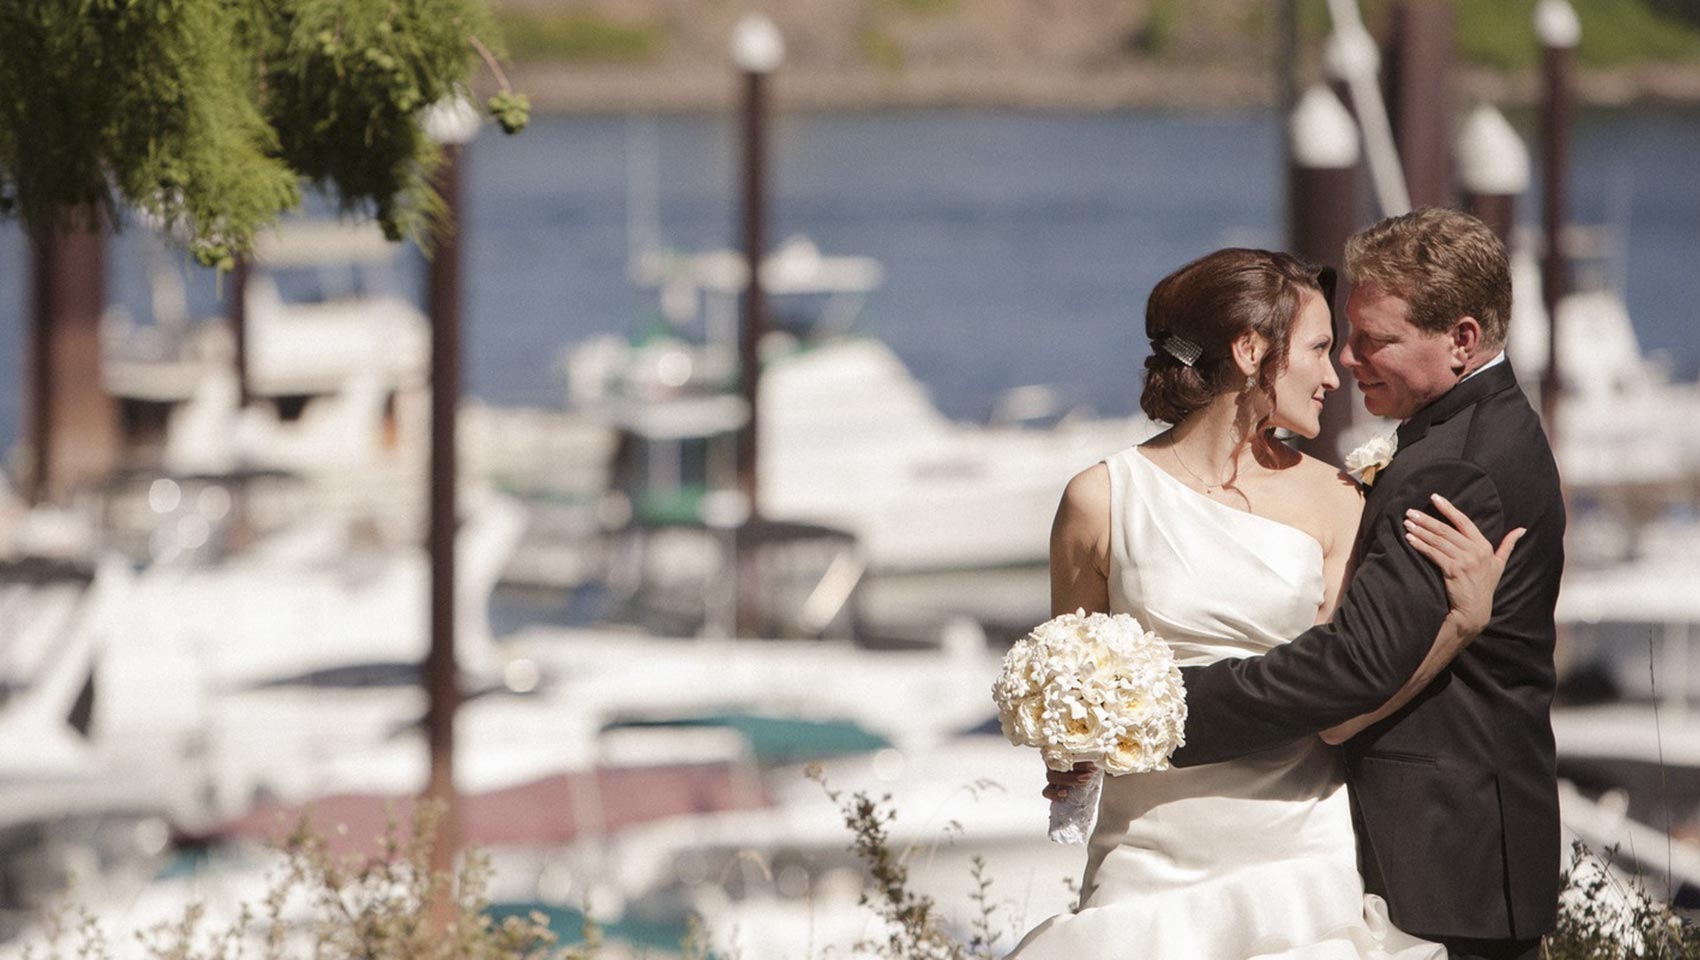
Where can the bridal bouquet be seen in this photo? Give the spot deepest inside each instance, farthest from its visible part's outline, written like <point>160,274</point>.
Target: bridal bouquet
<point>1096,687</point>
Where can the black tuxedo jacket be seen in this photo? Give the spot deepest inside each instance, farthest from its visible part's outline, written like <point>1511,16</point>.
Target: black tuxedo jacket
<point>1454,797</point>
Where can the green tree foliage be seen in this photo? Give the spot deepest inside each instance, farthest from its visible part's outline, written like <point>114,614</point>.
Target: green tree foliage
<point>1500,35</point>
<point>206,115</point>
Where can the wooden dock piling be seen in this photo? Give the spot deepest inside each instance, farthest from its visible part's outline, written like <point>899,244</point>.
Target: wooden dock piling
<point>1324,199</point>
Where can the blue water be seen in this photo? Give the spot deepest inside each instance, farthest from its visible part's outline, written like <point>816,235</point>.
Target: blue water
<point>1018,246</point>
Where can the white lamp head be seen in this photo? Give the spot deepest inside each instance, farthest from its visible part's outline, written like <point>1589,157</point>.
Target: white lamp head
<point>757,46</point>
<point>1556,24</point>
<point>452,120</point>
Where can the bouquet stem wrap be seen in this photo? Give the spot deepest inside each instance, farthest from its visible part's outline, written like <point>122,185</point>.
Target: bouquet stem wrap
<point>1096,688</point>
<point>1072,818</point>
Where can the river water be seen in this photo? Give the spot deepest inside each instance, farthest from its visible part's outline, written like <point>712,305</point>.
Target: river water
<point>1018,246</point>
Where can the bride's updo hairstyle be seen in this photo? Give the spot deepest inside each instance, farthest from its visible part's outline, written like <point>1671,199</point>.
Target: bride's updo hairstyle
<point>1195,314</point>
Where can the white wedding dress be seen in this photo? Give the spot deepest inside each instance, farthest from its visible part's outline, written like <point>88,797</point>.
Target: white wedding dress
<point>1228,861</point>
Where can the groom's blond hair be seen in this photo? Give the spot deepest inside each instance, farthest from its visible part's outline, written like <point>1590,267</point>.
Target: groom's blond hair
<point>1443,263</point>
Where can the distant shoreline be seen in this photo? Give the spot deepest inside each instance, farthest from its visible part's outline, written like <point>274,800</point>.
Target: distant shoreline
<point>627,88</point>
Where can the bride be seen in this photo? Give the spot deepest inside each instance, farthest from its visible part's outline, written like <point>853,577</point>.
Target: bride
<point>1226,542</point>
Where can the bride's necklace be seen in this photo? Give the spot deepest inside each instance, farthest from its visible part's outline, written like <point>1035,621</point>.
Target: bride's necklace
<point>1210,489</point>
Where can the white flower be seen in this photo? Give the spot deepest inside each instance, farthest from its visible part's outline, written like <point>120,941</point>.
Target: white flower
<point>1093,687</point>
<point>1372,458</point>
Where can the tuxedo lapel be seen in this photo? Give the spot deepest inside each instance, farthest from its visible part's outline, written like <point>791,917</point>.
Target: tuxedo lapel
<point>1461,397</point>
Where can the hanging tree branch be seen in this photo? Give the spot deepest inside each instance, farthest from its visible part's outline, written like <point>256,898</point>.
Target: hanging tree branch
<point>512,110</point>
<point>206,115</point>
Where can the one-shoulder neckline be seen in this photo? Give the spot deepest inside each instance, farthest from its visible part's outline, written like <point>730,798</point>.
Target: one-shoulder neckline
<point>1137,451</point>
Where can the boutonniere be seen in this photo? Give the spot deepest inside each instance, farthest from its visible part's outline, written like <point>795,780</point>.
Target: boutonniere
<point>1372,458</point>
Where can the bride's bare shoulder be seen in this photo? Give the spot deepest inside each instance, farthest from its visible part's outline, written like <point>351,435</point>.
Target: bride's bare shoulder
<point>1334,490</point>
<point>1083,516</point>
<point>1088,493</point>
<point>1080,542</point>
<point>1080,534</point>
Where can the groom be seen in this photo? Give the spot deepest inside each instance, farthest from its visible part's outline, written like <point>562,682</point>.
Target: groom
<point>1454,796</point>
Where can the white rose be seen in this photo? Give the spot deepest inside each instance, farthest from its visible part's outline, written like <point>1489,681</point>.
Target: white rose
<point>1372,457</point>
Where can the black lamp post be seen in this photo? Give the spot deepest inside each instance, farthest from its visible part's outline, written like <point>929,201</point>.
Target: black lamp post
<point>1559,32</point>
<point>757,50</point>
<point>452,123</point>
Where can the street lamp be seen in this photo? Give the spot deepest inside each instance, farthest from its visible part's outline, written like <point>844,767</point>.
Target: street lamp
<point>452,123</point>
<point>1559,31</point>
<point>757,50</point>
<point>757,46</point>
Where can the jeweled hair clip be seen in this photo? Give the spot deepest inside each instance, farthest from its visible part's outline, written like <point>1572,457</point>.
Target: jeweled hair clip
<point>1182,349</point>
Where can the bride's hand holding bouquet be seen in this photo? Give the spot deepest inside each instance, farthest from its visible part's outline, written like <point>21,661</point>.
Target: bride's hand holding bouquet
<point>1092,688</point>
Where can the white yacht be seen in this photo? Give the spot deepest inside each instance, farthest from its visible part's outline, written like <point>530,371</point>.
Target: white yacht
<point>333,367</point>
<point>848,438</point>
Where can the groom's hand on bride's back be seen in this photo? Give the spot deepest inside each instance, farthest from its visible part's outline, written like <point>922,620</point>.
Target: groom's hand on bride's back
<point>1058,782</point>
